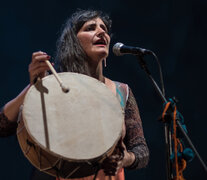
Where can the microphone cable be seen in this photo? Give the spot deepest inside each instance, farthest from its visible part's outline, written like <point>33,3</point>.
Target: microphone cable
<point>160,73</point>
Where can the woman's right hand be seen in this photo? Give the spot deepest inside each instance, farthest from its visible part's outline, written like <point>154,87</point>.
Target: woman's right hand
<point>38,66</point>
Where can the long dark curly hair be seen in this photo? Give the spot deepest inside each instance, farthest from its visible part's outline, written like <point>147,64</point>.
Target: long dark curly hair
<point>70,56</point>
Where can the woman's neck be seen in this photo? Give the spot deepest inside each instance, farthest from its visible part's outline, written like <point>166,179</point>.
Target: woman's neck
<point>97,72</point>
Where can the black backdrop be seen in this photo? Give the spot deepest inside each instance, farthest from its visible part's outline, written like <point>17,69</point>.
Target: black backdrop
<point>174,30</point>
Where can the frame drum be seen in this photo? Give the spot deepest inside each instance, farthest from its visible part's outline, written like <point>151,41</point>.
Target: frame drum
<point>69,134</point>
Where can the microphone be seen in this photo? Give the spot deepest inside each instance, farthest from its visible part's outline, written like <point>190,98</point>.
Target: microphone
<point>120,49</point>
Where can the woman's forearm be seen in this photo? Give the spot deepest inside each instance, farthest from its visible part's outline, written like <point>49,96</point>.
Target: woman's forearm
<point>11,109</point>
<point>36,68</point>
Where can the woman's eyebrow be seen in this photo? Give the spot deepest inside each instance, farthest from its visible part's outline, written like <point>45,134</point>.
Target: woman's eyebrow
<point>91,22</point>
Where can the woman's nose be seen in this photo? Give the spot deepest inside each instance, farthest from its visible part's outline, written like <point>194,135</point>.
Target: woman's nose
<point>100,31</point>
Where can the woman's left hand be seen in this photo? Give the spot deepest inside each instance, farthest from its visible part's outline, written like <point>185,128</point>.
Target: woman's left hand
<point>120,158</point>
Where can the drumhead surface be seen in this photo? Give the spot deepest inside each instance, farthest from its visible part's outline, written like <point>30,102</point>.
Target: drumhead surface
<point>79,125</point>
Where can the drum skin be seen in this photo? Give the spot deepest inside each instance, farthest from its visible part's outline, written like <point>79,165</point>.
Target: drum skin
<point>69,134</point>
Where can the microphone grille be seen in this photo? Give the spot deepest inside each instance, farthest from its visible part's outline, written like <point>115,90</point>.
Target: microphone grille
<point>116,48</point>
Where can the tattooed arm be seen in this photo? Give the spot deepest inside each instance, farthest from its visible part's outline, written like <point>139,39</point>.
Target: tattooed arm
<point>134,139</point>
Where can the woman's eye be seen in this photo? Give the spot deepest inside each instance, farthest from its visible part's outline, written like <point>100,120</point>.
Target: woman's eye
<point>104,28</point>
<point>89,28</point>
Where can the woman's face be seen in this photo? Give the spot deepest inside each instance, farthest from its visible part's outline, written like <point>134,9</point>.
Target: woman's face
<point>94,39</point>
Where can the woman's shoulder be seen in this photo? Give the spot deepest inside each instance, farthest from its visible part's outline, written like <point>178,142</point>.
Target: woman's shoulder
<point>121,85</point>
<point>122,91</point>
<point>117,83</point>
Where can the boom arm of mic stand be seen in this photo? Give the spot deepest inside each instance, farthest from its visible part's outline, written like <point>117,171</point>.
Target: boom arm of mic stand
<point>166,126</point>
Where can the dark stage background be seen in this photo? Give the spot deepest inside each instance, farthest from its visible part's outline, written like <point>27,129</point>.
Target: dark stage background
<point>174,30</point>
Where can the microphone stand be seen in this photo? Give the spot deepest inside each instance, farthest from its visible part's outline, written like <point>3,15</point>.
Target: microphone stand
<point>168,144</point>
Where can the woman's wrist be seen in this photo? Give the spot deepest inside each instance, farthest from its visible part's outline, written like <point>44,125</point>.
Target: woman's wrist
<point>129,159</point>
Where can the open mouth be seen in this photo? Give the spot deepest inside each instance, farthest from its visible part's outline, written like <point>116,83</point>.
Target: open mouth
<point>100,42</point>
